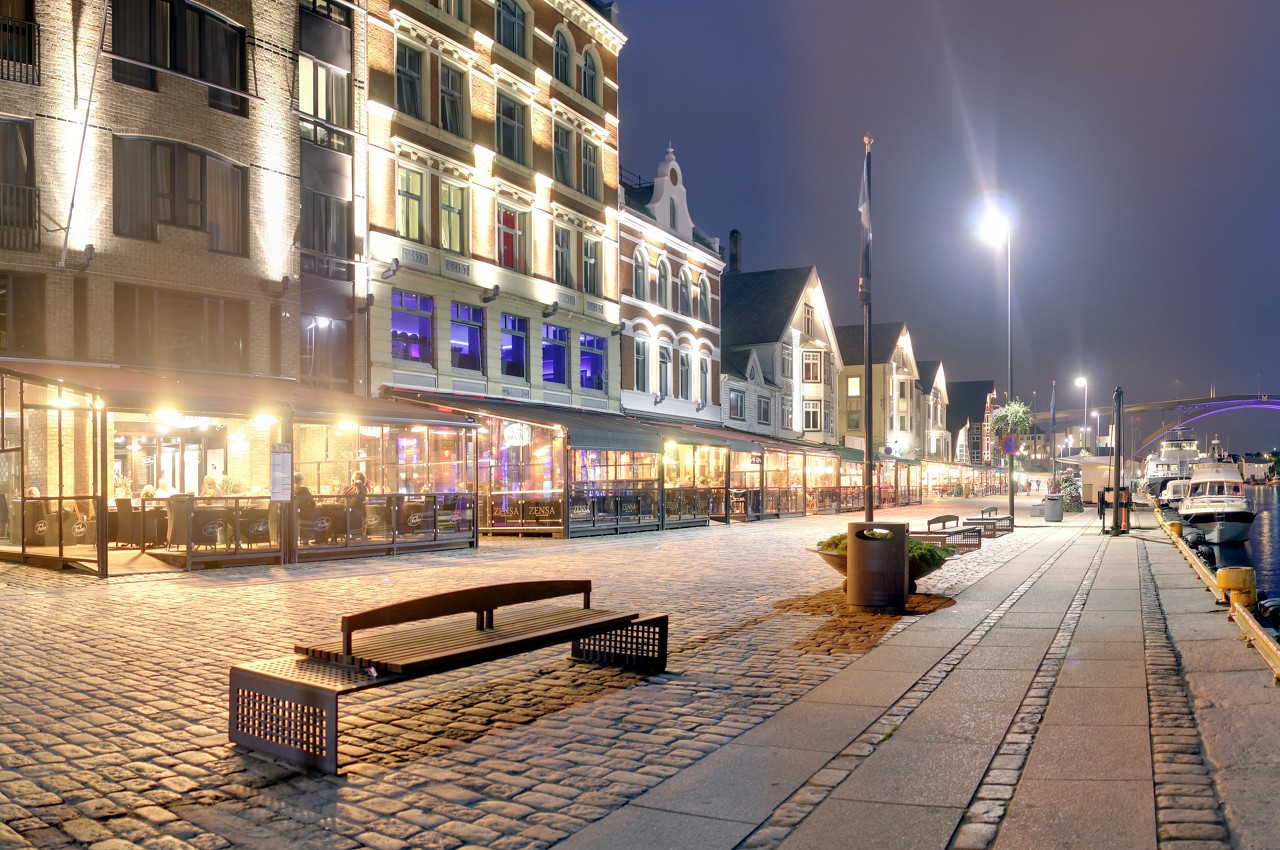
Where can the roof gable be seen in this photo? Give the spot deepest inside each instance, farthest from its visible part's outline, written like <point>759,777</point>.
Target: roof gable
<point>758,307</point>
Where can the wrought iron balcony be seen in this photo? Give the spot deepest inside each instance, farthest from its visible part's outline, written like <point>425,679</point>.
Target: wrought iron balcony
<point>19,218</point>
<point>19,51</point>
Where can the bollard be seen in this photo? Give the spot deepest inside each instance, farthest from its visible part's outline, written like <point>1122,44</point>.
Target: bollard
<point>1175,527</point>
<point>1241,584</point>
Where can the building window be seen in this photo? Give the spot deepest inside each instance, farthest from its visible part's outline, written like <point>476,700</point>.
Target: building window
<point>170,183</point>
<point>786,414</point>
<point>854,387</point>
<point>764,412</point>
<point>451,99</point>
<point>590,161</point>
<point>514,345</point>
<point>812,415</point>
<point>642,365</point>
<point>737,404</point>
<point>812,367</point>
<point>510,26</point>
<point>593,361</point>
<point>589,76</point>
<point>902,389</point>
<point>704,380</point>
<point>787,364</point>
<point>466,337</point>
<point>640,275</point>
<point>324,230</point>
<point>555,355</point>
<point>412,327</point>
<point>20,225</point>
<point>324,93</point>
<point>510,237</point>
<point>181,37</point>
<point>664,371</point>
<point>808,319</point>
<point>453,231</point>
<point>167,327</point>
<point>510,129</point>
<point>22,314</point>
<point>564,275</point>
<point>704,300</point>
<point>408,80</point>
<point>324,352</point>
<point>452,8</point>
<point>685,384</point>
<point>410,206</point>
<point>591,266</point>
<point>562,67</point>
<point>686,294</point>
<point>673,215</point>
<point>902,423</point>
<point>562,156</point>
<point>664,282</point>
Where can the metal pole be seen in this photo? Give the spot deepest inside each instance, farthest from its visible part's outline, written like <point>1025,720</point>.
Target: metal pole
<point>864,296</point>
<point>1008,252</point>
<point>1118,401</point>
<point>1053,437</point>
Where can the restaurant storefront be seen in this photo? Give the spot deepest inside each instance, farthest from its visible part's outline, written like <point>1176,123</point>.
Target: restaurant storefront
<point>116,470</point>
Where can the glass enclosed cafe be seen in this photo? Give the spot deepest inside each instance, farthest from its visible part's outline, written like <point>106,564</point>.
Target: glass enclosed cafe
<point>118,469</point>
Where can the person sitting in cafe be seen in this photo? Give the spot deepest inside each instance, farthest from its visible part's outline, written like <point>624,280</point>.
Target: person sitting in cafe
<point>164,489</point>
<point>356,492</point>
<point>306,503</point>
<point>210,487</point>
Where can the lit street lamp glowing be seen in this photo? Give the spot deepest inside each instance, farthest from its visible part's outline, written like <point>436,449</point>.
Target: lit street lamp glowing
<point>995,228</point>
<point>1084,382</point>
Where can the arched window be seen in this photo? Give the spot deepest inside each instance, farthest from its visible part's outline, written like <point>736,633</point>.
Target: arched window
<point>704,300</point>
<point>686,293</point>
<point>589,76</point>
<point>510,26</point>
<point>640,276</point>
<point>562,64</point>
<point>664,283</point>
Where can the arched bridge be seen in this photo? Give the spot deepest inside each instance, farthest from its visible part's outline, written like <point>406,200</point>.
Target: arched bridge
<point>1188,409</point>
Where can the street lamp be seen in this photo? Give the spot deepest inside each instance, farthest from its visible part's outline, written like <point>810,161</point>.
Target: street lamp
<point>1082,381</point>
<point>997,231</point>
<point>1096,425</point>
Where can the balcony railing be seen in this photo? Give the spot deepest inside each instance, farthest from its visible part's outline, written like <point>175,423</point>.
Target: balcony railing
<point>19,218</point>
<point>19,51</point>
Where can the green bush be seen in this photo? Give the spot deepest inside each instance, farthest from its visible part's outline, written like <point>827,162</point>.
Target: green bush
<point>929,555</point>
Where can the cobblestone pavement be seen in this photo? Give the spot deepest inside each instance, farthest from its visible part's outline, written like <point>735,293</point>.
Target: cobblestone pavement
<point>113,697</point>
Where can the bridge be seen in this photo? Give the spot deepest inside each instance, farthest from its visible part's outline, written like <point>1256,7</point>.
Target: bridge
<point>1189,410</point>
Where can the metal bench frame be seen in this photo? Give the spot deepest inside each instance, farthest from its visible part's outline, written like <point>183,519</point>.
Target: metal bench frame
<point>288,707</point>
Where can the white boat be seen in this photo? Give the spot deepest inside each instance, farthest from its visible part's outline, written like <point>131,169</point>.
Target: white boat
<point>1215,502</point>
<point>1174,492</point>
<point>1178,451</point>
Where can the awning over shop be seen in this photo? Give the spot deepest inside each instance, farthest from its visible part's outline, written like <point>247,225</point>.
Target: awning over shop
<point>849,454</point>
<point>137,388</point>
<point>584,429</point>
<point>703,435</point>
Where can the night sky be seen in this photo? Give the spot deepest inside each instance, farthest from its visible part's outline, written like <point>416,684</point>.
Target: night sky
<point>1140,142</point>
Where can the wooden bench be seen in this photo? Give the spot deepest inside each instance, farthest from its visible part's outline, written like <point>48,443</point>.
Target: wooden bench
<point>991,524</point>
<point>963,539</point>
<point>288,707</point>
<point>942,521</point>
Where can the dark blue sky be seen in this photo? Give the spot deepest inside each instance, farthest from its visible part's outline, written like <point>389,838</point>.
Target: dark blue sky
<point>1139,140</point>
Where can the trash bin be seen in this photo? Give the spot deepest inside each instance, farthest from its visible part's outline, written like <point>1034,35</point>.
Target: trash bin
<point>1053,507</point>
<point>877,568</point>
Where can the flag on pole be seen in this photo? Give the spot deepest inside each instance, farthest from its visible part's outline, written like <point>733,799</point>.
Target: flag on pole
<point>864,208</point>
<point>1053,416</point>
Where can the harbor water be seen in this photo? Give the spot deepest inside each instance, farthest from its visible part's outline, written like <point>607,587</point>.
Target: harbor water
<point>1262,551</point>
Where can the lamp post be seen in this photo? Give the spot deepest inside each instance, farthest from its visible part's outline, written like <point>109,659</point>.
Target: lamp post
<point>1082,381</point>
<point>997,231</point>
<point>1097,423</point>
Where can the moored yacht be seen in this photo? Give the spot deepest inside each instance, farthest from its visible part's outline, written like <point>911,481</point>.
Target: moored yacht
<point>1178,451</point>
<point>1174,491</point>
<point>1215,502</point>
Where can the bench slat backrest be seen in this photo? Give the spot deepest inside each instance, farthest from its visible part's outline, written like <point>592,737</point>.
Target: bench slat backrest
<point>478,600</point>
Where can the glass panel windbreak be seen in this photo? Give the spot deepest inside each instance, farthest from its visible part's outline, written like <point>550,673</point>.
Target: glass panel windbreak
<point>393,458</point>
<point>11,402</point>
<point>157,454</point>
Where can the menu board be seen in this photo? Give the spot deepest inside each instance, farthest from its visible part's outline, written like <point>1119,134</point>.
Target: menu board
<point>281,472</point>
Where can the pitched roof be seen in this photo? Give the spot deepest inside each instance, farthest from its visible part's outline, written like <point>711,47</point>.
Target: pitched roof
<point>967,402</point>
<point>884,339</point>
<point>928,373</point>
<point>758,306</point>
<point>736,363</point>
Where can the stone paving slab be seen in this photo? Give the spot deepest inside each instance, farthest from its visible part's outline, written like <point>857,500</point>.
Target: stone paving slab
<point>921,773</point>
<point>1096,751</point>
<point>1045,815</point>
<point>857,825</point>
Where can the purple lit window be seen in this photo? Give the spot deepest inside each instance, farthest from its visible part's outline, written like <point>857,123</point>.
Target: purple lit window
<point>593,361</point>
<point>555,355</point>
<point>515,346</point>
<point>411,324</point>
<point>466,337</point>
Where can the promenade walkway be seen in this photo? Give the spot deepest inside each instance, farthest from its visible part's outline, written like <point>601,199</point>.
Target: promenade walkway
<point>1065,689</point>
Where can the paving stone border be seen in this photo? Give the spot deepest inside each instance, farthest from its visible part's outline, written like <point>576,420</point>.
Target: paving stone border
<point>799,805</point>
<point>1188,810</point>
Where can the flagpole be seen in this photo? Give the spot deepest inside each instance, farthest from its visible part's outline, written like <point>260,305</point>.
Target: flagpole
<point>864,297</point>
<point>1053,436</point>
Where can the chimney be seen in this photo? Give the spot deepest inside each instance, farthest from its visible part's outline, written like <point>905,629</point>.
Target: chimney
<point>735,251</point>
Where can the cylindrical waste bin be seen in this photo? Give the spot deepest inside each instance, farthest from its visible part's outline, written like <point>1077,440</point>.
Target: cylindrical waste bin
<point>1053,507</point>
<point>877,568</point>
